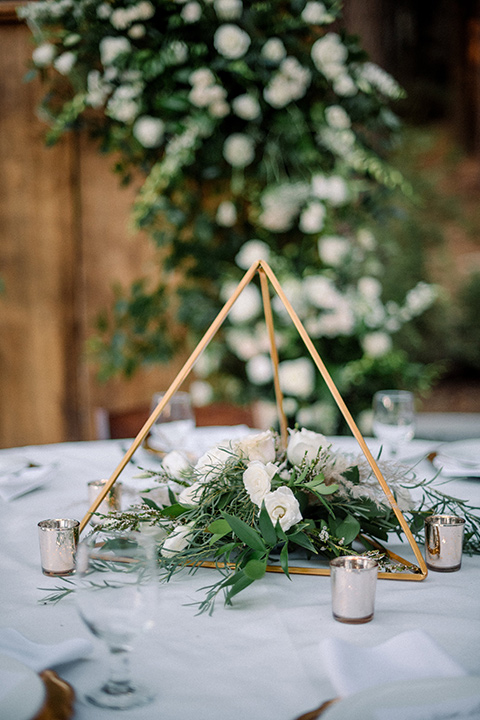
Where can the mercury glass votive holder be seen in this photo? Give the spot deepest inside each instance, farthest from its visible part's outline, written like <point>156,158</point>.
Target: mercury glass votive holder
<point>112,500</point>
<point>353,583</point>
<point>444,542</point>
<point>58,543</point>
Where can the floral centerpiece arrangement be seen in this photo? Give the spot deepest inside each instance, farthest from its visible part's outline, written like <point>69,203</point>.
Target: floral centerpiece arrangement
<point>259,131</point>
<point>250,503</point>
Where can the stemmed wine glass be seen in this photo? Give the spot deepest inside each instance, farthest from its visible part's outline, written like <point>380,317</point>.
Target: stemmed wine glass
<point>171,429</point>
<point>393,418</point>
<point>115,597</point>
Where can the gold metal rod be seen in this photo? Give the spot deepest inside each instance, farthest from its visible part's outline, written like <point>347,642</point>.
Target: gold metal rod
<point>267,308</point>
<point>179,379</point>
<point>346,414</point>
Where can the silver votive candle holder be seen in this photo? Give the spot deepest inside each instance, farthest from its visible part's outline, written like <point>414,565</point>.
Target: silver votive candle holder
<point>111,502</point>
<point>58,543</point>
<point>353,582</point>
<point>444,542</point>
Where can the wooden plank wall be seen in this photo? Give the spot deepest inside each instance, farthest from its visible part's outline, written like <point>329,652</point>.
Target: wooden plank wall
<point>63,242</point>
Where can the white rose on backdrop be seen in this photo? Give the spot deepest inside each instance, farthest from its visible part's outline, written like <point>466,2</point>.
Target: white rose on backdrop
<point>203,77</point>
<point>370,287</point>
<point>328,50</point>
<point>111,47</point>
<point>191,12</point>
<point>175,464</point>
<point>321,415</point>
<point>344,86</point>
<point>251,251</point>
<point>248,304</point>
<point>304,444</point>
<point>321,292</point>
<point>177,541</point>
<point>242,343</point>
<point>333,188</point>
<point>98,89</point>
<point>201,393</point>
<point>228,9</point>
<point>191,495</point>
<point>257,479</point>
<point>239,150</point>
<point>376,344</point>
<point>297,377</point>
<point>315,13</point>
<point>312,218</point>
<point>149,131</point>
<point>246,107</point>
<point>274,50</point>
<point>337,117</point>
<point>137,31</point>
<point>333,250</point>
<point>43,54</point>
<point>226,215</point>
<point>338,321</point>
<point>65,62</point>
<point>231,41</point>
<point>259,369</point>
<point>257,447</point>
<point>282,505</point>
<point>104,11</point>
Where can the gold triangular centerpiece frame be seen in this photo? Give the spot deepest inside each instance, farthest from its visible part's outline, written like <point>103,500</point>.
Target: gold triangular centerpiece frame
<point>266,275</point>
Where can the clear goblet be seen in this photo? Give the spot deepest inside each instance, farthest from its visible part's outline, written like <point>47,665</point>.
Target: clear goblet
<point>393,418</point>
<point>115,597</point>
<point>170,430</point>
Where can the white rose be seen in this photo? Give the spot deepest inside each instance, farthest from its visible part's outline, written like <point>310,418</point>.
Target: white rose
<point>259,369</point>
<point>282,505</point>
<point>112,47</point>
<point>376,344</point>
<point>43,54</point>
<point>344,86</point>
<point>257,447</point>
<point>274,50</point>
<point>191,495</point>
<point>246,107</point>
<point>297,377</point>
<point>304,444</point>
<point>203,77</point>
<point>231,41</point>
<point>201,393</point>
<point>175,464</point>
<point>137,31</point>
<point>239,150</point>
<point>247,306</point>
<point>337,117</point>
<point>226,214</point>
<point>250,252</point>
<point>65,62</point>
<point>333,250</point>
<point>312,218</point>
<point>328,50</point>
<point>242,343</point>
<point>257,480</point>
<point>316,13</point>
<point>228,9</point>
<point>149,131</point>
<point>191,12</point>
<point>177,540</point>
<point>370,287</point>
<point>213,460</point>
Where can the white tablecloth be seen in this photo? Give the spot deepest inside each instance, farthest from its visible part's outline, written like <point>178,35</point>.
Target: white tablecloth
<point>259,659</point>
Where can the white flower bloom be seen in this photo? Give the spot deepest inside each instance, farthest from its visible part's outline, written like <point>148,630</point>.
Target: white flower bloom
<point>321,416</point>
<point>144,10</point>
<point>231,41</point>
<point>259,447</point>
<point>228,9</point>
<point>149,131</point>
<point>175,464</point>
<point>120,18</point>
<point>137,31</point>
<point>333,250</point>
<point>282,506</point>
<point>203,77</point>
<point>201,393</point>
<point>123,105</point>
<point>243,344</point>
<point>219,109</point>
<point>43,54</point>
<point>380,79</point>
<point>257,479</point>
<point>304,444</point>
<point>178,52</point>
<point>226,214</point>
<point>248,305</point>
<point>328,50</point>
<point>191,12</point>
<point>177,540</point>
<point>259,369</point>
<point>104,10</point>
<point>370,287</point>
<point>289,83</point>
<point>65,62</point>
<point>274,50</point>
<point>98,89</point>
<point>312,218</point>
<point>246,107</point>
<point>213,460</point>
<point>366,239</point>
<point>281,204</point>
<point>420,298</point>
<point>191,495</point>
<point>251,251</point>
<point>239,150</point>
<point>315,13</point>
<point>344,86</point>
<point>113,47</point>
<point>297,377</point>
<point>337,117</point>
<point>321,291</point>
<point>376,344</point>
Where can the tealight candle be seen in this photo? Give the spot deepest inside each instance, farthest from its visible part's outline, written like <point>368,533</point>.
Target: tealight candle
<point>58,543</point>
<point>353,582</point>
<point>444,542</point>
<point>111,500</point>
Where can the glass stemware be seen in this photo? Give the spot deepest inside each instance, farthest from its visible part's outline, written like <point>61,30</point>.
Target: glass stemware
<point>393,419</point>
<point>115,597</point>
<point>171,429</point>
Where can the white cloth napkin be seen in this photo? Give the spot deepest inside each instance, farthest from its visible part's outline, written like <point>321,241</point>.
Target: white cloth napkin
<point>39,657</point>
<point>408,656</point>
<point>22,481</point>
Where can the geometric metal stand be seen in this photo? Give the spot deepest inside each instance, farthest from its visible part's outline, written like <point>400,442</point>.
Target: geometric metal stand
<point>266,275</point>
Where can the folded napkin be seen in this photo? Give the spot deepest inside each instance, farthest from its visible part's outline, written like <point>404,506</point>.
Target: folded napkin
<point>39,657</point>
<point>450,467</point>
<point>22,480</point>
<point>409,656</point>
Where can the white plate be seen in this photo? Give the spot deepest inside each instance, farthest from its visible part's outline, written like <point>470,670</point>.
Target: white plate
<point>426,699</point>
<point>466,452</point>
<point>22,692</point>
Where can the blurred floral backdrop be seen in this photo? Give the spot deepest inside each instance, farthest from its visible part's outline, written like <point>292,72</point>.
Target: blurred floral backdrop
<point>261,130</point>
